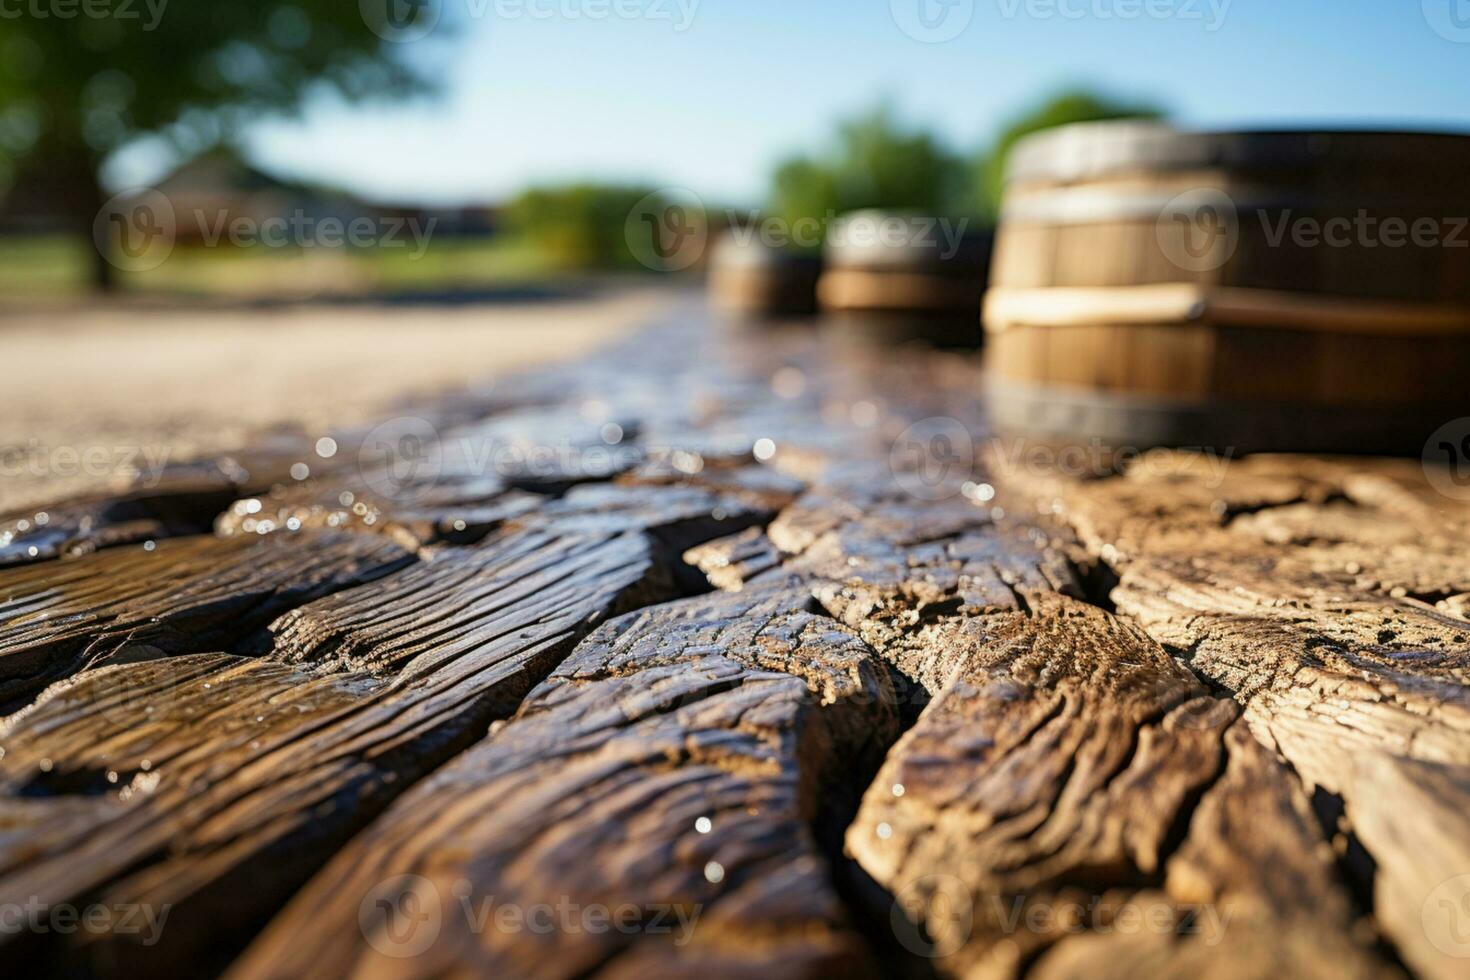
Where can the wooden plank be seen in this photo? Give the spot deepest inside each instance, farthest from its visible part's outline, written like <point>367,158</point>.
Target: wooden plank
<point>679,759</point>
<point>732,561</point>
<point>180,499</point>
<point>1229,703</point>
<point>1060,767</point>
<point>189,595</point>
<point>240,776</point>
<point>1328,599</point>
<point>453,513</point>
<point>1251,892</point>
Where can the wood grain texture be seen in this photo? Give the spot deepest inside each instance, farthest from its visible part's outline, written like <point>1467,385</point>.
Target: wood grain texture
<point>943,712</point>
<point>213,786</point>
<point>1326,597</point>
<point>155,500</point>
<point>677,760</point>
<point>1068,781</point>
<point>189,595</point>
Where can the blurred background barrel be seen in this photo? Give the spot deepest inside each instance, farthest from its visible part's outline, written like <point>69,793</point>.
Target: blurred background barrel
<point>1262,291</point>
<point>896,277</point>
<point>751,279</point>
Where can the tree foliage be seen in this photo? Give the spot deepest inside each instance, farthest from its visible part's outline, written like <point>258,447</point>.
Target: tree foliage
<point>1067,107</point>
<point>576,226</point>
<point>81,78</point>
<point>872,162</point>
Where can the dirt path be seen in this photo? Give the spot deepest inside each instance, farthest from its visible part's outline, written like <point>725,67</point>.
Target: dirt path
<point>87,387</point>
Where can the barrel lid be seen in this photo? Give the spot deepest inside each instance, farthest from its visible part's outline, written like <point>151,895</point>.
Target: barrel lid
<point>1088,150</point>
<point>878,239</point>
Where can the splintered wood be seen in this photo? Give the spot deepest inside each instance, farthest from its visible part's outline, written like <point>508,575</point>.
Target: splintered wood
<point>736,654</point>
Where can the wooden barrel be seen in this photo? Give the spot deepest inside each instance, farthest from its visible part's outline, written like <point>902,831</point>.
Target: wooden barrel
<point>1259,291</point>
<point>751,279</point>
<point>896,276</point>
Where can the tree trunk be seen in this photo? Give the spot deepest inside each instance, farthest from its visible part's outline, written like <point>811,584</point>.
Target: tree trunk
<point>104,273</point>
<point>90,197</point>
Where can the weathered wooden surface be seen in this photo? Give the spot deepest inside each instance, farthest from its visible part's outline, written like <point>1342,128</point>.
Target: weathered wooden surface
<point>213,784</point>
<point>188,595</point>
<point>702,657</point>
<point>1328,599</point>
<point>689,747</point>
<point>178,499</point>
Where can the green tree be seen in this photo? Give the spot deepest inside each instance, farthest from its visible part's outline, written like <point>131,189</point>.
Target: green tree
<point>79,80</point>
<point>873,162</point>
<point>1059,110</point>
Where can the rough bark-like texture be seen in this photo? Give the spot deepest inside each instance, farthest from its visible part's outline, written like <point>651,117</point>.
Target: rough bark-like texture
<point>459,513</point>
<point>155,500</point>
<point>189,595</point>
<point>1193,719</point>
<point>672,766</point>
<point>1050,796</point>
<point>1328,599</point>
<point>213,785</point>
<point>730,562</point>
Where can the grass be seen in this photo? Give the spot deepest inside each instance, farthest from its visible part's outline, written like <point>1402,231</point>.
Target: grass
<point>43,266</point>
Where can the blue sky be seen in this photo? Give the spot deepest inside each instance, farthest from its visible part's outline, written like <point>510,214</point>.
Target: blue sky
<point>714,105</point>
